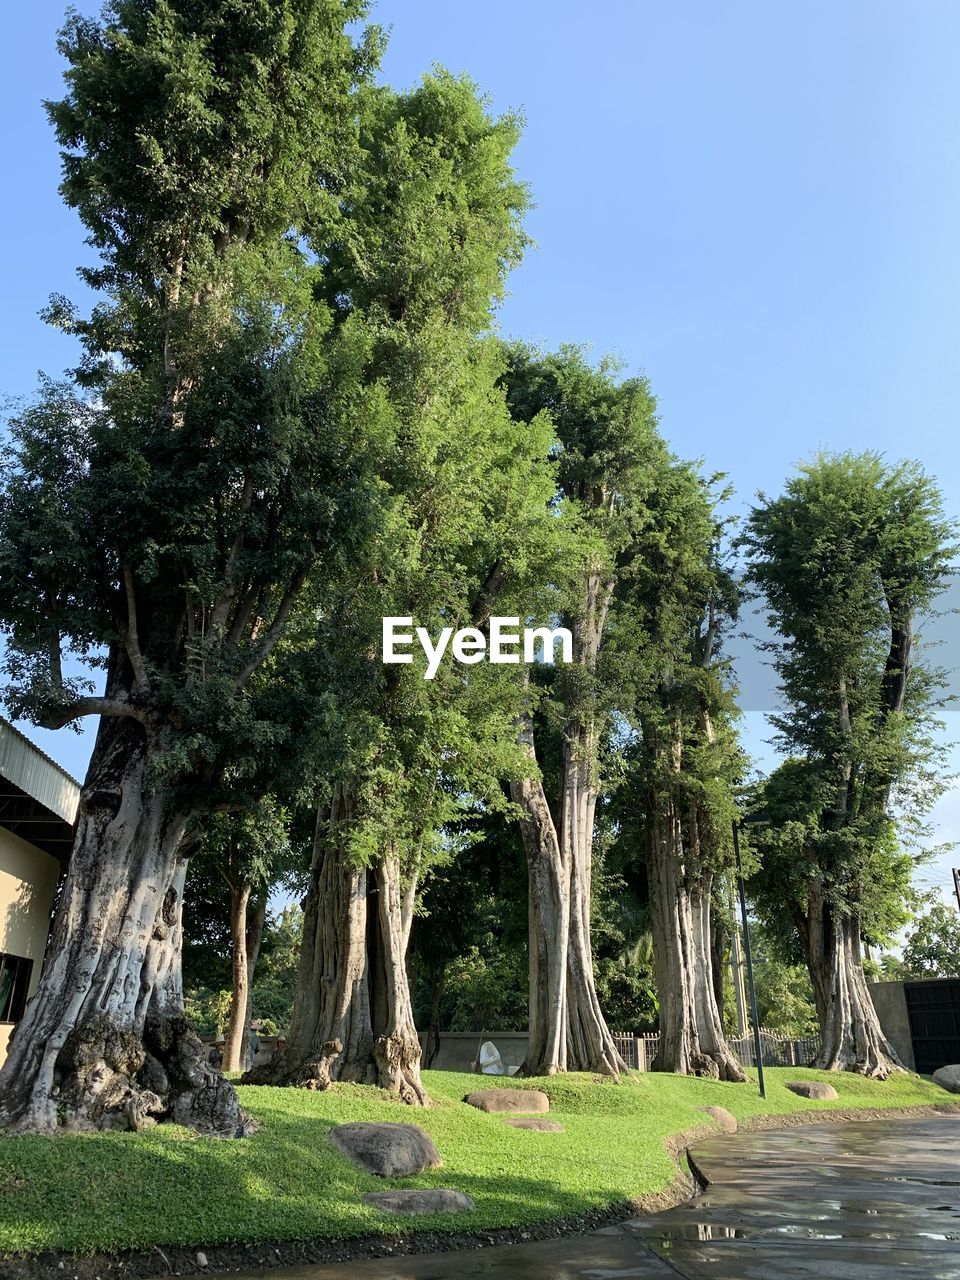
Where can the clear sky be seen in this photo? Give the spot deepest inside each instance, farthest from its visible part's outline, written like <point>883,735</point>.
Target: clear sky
<point>755,204</point>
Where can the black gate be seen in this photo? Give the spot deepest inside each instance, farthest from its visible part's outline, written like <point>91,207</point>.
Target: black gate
<point>933,1008</point>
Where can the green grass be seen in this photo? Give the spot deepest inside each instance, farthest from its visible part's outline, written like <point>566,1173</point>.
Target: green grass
<point>111,1191</point>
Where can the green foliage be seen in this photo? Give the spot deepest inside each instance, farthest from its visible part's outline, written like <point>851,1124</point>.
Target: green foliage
<point>294,428</point>
<point>784,995</point>
<point>276,976</point>
<point>188,126</point>
<point>208,1010</point>
<point>249,846</point>
<point>113,1191</point>
<point>486,990</point>
<point>932,946</point>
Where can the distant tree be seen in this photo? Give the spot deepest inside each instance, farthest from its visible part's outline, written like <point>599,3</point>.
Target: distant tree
<point>932,947</point>
<point>276,977</point>
<point>249,852</point>
<point>468,950</point>
<point>846,559</point>
<point>784,995</point>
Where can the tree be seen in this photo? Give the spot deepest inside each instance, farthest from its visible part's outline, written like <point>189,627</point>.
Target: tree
<point>397,756</point>
<point>167,506</point>
<point>846,559</point>
<point>248,851</point>
<point>932,947</point>
<point>676,597</point>
<point>608,461</point>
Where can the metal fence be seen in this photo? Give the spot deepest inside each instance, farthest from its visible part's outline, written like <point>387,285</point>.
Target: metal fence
<point>778,1051</point>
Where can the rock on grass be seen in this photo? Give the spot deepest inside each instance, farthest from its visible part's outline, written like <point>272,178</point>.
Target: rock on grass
<point>533,1122</point>
<point>388,1150</point>
<point>433,1200</point>
<point>817,1089</point>
<point>508,1100</point>
<point>726,1121</point>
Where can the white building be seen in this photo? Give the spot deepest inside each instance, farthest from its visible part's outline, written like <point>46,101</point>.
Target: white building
<point>38,808</point>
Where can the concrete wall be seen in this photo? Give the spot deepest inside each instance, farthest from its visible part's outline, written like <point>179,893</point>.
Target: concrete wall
<point>890,1003</point>
<point>459,1049</point>
<point>28,878</point>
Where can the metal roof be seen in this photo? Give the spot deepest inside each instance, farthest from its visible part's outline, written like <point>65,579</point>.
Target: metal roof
<point>38,799</point>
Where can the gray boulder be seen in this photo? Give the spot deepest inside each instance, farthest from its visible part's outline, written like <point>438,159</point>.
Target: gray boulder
<point>434,1200</point>
<point>726,1121</point>
<point>533,1122</point>
<point>388,1150</point>
<point>948,1078</point>
<point>813,1089</point>
<point>509,1100</point>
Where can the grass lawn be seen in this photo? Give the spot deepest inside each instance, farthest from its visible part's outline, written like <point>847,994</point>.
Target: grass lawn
<point>112,1191</point>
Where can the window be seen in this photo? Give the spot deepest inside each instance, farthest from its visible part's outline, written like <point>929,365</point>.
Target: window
<point>15,974</point>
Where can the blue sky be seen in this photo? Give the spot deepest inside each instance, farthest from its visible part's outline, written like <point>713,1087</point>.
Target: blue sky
<point>755,204</point>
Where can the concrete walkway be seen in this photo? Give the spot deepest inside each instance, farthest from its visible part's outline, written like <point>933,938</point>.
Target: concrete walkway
<point>861,1201</point>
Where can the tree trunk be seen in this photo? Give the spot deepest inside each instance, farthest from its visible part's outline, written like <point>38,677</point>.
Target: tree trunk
<point>590,1045</point>
<point>719,938</point>
<point>692,1041</point>
<point>237,1038</point>
<point>254,941</point>
<point>352,1014</point>
<point>104,1042</point>
<point>566,1029</point>
<point>548,931</point>
<point>437,983</point>
<point>851,1035</point>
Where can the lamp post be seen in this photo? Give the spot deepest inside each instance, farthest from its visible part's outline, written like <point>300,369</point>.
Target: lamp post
<point>757,821</point>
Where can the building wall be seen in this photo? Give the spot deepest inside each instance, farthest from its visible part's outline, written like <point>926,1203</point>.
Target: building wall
<point>28,878</point>
<point>459,1049</point>
<point>890,1003</point>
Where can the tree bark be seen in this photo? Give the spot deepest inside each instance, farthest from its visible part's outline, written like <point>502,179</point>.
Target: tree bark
<point>719,938</point>
<point>851,1036</point>
<point>352,1014</point>
<point>104,1042</point>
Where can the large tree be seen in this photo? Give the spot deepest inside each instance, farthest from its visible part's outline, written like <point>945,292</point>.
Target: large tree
<point>675,600</point>
<point>164,509</point>
<point>609,459</point>
<point>846,559</point>
<point>466,496</point>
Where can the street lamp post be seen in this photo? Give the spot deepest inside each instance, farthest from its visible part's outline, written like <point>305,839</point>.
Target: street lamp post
<point>748,954</point>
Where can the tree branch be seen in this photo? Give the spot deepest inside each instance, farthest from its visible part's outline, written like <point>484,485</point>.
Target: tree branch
<point>486,596</point>
<point>275,629</point>
<point>141,682</point>
<point>221,609</point>
<point>91,707</point>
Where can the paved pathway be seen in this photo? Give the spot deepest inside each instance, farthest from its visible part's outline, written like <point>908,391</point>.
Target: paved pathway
<point>865,1201</point>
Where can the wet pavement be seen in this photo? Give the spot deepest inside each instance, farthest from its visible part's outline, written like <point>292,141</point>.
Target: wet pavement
<point>856,1201</point>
